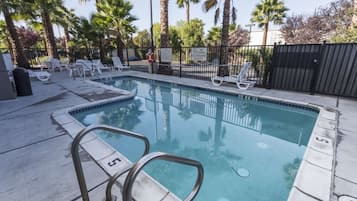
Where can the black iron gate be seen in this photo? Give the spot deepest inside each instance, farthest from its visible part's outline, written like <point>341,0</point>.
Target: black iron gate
<point>320,68</point>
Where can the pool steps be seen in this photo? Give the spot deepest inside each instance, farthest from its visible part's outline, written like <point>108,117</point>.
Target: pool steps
<point>133,170</point>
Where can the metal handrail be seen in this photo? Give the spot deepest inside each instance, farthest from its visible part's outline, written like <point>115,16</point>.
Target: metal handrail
<point>134,171</point>
<point>75,155</point>
<point>112,180</point>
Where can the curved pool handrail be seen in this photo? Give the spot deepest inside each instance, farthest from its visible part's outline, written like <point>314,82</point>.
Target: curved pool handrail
<point>75,155</point>
<point>111,182</point>
<point>138,166</point>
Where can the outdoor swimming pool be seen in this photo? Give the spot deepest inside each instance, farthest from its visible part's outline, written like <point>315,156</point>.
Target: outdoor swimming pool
<point>250,149</point>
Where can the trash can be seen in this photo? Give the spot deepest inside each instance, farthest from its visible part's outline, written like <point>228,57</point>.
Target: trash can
<point>22,82</point>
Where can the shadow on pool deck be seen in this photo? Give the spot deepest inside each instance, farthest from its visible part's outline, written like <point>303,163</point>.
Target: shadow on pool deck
<point>34,151</point>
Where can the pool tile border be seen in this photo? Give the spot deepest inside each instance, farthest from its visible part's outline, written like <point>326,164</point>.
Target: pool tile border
<point>314,177</point>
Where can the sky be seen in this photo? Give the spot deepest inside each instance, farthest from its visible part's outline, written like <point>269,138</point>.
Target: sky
<point>141,10</point>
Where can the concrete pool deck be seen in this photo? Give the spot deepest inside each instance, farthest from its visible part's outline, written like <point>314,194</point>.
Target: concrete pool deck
<point>35,156</point>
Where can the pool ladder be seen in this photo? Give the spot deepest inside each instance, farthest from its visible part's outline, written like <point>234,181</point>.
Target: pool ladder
<point>133,169</point>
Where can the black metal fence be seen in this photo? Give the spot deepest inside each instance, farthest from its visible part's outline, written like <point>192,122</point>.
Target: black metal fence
<point>234,57</point>
<point>183,64</point>
<point>316,68</point>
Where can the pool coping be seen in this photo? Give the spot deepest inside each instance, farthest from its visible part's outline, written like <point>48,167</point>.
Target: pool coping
<point>313,181</point>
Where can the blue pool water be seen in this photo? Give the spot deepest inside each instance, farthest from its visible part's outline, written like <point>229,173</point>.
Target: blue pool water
<point>250,149</point>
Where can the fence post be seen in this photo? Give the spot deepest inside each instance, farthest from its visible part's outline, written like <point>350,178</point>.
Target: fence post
<point>317,66</point>
<point>180,61</point>
<point>219,73</point>
<point>127,57</point>
<point>271,69</point>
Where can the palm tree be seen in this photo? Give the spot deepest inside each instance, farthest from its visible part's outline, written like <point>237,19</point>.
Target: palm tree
<point>68,20</point>
<point>214,36</point>
<point>164,23</point>
<point>99,31</point>
<point>186,4</point>
<point>269,11</point>
<point>84,35</point>
<point>45,8</point>
<point>17,48</point>
<point>115,14</point>
<point>227,12</point>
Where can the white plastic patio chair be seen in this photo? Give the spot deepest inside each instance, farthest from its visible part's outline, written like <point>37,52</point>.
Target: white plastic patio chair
<point>65,63</point>
<point>84,66</point>
<point>117,64</point>
<point>53,63</point>
<point>241,79</point>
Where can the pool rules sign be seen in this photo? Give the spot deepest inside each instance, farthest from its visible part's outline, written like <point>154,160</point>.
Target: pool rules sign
<point>199,54</point>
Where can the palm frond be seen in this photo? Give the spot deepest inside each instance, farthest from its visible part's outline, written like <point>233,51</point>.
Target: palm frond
<point>234,15</point>
<point>216,16</point>
<point>180,3</point>
<point>209,4</point>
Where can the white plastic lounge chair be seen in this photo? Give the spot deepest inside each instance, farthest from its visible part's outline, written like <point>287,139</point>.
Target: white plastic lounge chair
<point>240,79</point>
<point>118,64</point>
<point>8,62</point>
<point>43,76</point>
<point>97,64</point>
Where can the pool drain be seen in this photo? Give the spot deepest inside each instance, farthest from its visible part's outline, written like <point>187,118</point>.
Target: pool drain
<point>262,145</point>
<point>242,172</point>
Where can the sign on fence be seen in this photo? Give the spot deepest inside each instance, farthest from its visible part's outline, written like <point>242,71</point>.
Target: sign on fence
<point>165,54</point>
<point>199,54</point>
<point>130,54</point>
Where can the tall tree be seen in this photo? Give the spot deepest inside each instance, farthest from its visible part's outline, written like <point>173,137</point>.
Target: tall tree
<point>7,8</point>
<point>68,20</point>
<point>238,37</point>
<point>43,9</point>
<point>84,35</point>
<point>142,39</point>
<point>28,37</point>
<point>331,23</point>
<point>186,4</point>
<point>99,32</point>
<point>115,14</point>
<point>191,33</point>
<point>354,16</point>
<point>299,29</point>
<point>227,12</point>
<point>4,36</point>
<point>268,11</point>
<point>164,23</point>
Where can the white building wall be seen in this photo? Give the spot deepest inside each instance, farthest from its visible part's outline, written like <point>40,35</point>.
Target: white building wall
<point>274,36</point>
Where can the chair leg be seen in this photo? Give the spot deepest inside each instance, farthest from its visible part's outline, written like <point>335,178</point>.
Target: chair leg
<point>215,83</point>
<point>242,85</point>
